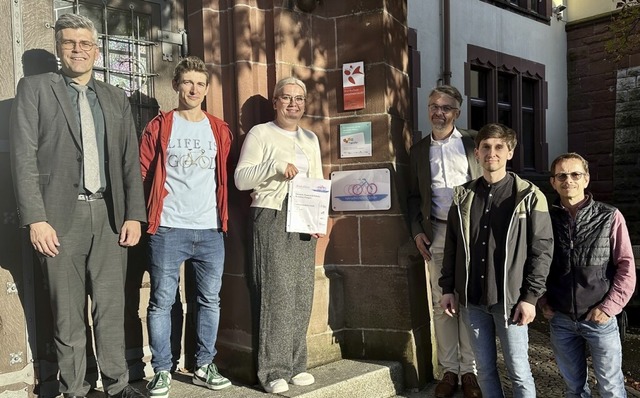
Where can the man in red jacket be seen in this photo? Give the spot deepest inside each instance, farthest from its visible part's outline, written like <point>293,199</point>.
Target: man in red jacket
<point>183,155</point>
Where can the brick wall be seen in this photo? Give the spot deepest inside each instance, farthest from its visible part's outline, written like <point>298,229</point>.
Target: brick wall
<point>591,103</point>
<point>626,195</point>
<point>603,116</point>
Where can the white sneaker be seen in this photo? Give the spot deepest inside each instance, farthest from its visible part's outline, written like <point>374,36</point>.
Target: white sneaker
<point>303,379</point>
<point>208,376</point>
<point>276,386</point>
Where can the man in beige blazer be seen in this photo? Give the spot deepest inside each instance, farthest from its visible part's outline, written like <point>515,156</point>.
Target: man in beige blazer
<point>80,235</point>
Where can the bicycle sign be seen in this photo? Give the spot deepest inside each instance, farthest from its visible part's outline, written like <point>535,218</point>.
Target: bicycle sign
<point>360,190</point>
<point>363,187</point>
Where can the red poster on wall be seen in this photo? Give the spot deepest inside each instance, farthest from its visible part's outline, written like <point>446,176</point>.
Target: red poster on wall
<point>353,86</point>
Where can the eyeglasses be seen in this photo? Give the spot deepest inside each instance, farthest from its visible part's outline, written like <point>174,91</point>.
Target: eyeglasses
<point>298,99</point>
<point>437,108</point>
<point>70,45</point>
<point>562,177</point>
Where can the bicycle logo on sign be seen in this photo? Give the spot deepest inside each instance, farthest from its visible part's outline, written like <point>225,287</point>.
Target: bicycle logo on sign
<point>364,187</point>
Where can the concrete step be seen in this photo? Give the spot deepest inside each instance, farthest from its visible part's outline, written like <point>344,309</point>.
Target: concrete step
<point>345,378</point>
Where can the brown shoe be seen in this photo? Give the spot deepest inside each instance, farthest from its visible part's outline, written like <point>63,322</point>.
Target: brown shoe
<point>447,385</point>
<point>470,387</point>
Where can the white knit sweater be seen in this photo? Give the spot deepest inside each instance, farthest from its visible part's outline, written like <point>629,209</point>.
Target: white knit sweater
<point>264,157</point>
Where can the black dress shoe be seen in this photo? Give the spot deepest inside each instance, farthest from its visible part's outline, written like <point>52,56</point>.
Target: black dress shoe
<point>128,392</point>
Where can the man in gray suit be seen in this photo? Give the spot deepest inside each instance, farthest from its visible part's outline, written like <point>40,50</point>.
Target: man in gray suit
<point>439,162</point>
<point>81,218</point>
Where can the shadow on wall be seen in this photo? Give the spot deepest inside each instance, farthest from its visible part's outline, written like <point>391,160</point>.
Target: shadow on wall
<point>255,110</point>
<point>16,255</point>
<point>144,108</point>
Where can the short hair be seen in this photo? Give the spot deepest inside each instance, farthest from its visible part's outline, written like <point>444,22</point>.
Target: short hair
<point>566,156</point>
<point>448,90</point>
<point>190,64</point>
<point>75,21</point>
<point>500,131</point>
<point>288,80</point>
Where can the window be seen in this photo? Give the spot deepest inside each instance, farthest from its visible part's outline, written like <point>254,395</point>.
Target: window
<point>505,98</point>
<point>534,6</point>
<point>125,61</point>
<point>509,90</point>
<point>536,9</point>
<point>478,99</point>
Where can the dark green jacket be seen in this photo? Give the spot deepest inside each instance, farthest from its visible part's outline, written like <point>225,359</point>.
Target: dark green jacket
<point>529,246</point>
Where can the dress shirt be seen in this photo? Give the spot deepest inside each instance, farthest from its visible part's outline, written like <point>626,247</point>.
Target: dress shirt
<point>449,168</point>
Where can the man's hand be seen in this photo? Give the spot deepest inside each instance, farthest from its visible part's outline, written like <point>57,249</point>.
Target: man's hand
<point>317,236</point>
<point>448,304</point>
<point>598,316</point>
<point>290,172</point>
<point>524,313</point>
<point>422,243</point>
<point>44,238</point>
<point>130,233</point>
<point>547,311</point>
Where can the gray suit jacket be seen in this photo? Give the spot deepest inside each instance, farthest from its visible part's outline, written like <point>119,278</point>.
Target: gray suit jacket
<point>46,153</point>
<point>419,198</point>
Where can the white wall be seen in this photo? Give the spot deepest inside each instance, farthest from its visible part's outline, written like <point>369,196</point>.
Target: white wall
<point>484,25</point>
<point>426,17</point>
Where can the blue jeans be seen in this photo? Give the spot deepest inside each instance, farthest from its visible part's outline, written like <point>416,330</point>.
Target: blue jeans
<point>569,340</point>
<point>484,324</point>
<point>168,248</point>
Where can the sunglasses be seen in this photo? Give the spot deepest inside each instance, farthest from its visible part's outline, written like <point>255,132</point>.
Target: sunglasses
<point>562,177</point>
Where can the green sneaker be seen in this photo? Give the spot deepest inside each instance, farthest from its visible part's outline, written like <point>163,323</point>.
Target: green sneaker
<point>208,376</point>
<point>160,384</point>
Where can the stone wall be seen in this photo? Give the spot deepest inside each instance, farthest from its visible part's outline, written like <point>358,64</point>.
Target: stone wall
<point>370,299</point>
<point>627,149</point>
<point>591,103</point>
<point>603,116</point>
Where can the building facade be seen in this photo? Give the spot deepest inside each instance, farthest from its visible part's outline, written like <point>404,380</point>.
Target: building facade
<point>370,298</point>
<point>537,66</point>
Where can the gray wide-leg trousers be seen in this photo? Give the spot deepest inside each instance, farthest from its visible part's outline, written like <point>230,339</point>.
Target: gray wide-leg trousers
<point>284,266</point>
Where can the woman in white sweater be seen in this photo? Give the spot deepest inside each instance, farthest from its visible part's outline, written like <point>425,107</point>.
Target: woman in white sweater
<point>283,263</point>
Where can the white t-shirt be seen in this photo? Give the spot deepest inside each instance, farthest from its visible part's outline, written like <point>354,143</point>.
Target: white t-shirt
<point>191,176</point>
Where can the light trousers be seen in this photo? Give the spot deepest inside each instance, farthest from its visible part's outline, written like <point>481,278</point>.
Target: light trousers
<point>452,335</point>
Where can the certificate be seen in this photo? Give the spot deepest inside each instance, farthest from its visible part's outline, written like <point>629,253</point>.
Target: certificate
<point>308,205</point>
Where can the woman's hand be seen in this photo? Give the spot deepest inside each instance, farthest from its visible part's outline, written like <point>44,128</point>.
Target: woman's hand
<point>290,171</point>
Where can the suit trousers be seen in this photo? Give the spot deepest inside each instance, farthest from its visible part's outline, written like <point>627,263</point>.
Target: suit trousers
<point>91,263</point>
<point>452,334</point>
<point>284,265</point>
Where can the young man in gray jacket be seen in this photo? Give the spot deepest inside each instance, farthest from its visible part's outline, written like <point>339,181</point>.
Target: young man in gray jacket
<point>497,254</point>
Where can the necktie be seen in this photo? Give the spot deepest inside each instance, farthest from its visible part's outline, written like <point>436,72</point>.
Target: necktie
<point>90,158</point>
